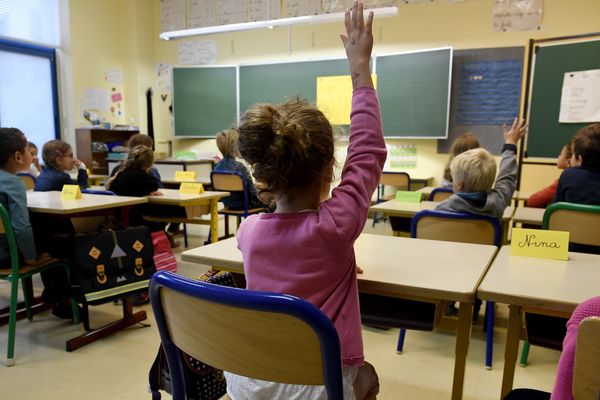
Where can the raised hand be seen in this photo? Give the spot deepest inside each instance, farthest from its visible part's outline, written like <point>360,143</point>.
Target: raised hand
<point>358,42</point>
<point>516,131</point>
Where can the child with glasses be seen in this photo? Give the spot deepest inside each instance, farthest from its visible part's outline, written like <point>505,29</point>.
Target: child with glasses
<point>58,158</point>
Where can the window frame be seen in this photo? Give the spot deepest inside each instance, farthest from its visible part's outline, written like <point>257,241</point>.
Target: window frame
<point>44,52</point>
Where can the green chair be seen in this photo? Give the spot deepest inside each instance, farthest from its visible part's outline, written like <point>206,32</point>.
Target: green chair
<point>18,272</point>
<point>582,222</point>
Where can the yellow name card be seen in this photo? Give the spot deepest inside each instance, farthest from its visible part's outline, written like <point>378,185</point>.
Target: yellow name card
<point>405,196</point>
<point>71,192</point>
<point>191,188</point>
<point>185,176</point>
<point>553,245</point>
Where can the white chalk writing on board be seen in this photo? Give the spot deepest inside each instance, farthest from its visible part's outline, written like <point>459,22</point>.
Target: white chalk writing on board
<point>172,15</point>
<point>517,15</point>
<point>264,10</point>
<point>197,52</point>
<point>580,99</point>
<point>231,11</point>
<point>201,13</point>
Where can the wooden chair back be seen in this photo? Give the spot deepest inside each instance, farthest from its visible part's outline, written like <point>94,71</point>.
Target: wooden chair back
<point>586,376</point>
<point>440,194</point>
<point>28,180</point>
<point>456,227</point>
<point>227,182</point>
<point>399,181</point>
<point>581,221</point>
<point>261,335</point>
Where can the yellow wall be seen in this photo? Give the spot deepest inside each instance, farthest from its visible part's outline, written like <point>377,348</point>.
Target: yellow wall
<point>124,34</point>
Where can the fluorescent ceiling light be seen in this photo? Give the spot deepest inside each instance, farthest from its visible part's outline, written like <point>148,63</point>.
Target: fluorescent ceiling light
<point>308,19</point>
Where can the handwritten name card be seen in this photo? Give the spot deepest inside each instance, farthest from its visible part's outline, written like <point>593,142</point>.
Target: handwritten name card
<point>71,192</point>
<point>404,196</point>
<point>553,245</point>
<point>191,188</point>
<point>185,176</point>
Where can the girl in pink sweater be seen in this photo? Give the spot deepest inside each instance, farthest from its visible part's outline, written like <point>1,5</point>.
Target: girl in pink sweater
<point>305,248</point>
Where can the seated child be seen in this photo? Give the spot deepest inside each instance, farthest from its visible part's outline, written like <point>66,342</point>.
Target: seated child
<point>227,142</point>
<point>305,248</point>
<point>581,183</point>
<point>58,158</point>
<point>473,174</point>
<point>544,197</point>
<point>15,157</point>
<point>141,140</point>
<point>464,142</point>
<point>35,168</point>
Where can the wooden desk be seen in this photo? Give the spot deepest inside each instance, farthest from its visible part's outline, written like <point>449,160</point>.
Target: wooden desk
<point>399,267</point>
<point>96,179</point>
<point>51,203</point>
<point>398,209</point>
<point>89,204</point>
<point>529,215</point>
<point>173,184</point>
<point>537,285</point>
<point>195,205</point>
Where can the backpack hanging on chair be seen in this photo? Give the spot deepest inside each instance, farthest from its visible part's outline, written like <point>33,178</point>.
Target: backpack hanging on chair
<point>202,382</point>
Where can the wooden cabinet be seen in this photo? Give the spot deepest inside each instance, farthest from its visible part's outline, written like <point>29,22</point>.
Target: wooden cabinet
<point>96,160</point>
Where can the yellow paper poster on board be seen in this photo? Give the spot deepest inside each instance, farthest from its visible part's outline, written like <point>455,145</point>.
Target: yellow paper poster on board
<point>71,192</point>
<point>185,176</point>
<point>334,97</point>
<point>191,188</point>
<point>539,243</point>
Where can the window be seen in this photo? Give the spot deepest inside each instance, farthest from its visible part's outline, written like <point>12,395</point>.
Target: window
<point>28,84</point>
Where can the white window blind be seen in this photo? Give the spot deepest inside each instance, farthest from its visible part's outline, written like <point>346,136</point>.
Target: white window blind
<point>34,21</point>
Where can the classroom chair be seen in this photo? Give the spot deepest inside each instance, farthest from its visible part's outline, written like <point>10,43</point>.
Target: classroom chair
<point>17,272</point>
<point>586,379</point>
<point>465,228</point>
<point>268,336</point>
<point>582,222</point>
<point>440,194</point>
<point>399,180</point>
<point>28,180</point>
<point>232,181</point>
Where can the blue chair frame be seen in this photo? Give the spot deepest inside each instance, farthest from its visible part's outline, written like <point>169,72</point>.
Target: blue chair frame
<point>439,190</point>
<point>101,192</point>
<point>249,300</point>
<point>489,307</point>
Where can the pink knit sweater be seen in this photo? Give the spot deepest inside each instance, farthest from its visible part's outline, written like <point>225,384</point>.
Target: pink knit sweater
<point>563,387</point>
<point>310,254</point>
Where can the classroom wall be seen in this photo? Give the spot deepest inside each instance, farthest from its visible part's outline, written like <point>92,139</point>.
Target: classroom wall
<point>113,34</point>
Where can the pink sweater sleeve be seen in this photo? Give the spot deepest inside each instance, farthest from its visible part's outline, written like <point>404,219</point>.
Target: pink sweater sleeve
<point>563,387</point>
<point>350,201</point>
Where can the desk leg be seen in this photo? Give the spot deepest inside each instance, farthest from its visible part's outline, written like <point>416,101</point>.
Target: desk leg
<point>463,334</point>
<point>129,318</point>
<point>513,334</point>
<point>214,220</point>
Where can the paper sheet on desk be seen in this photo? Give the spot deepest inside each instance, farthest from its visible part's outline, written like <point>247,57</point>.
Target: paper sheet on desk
<point>580,100</point>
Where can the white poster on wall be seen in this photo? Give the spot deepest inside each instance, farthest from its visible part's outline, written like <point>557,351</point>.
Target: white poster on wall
<point>163,76</point>
<point>172,15</point>
<point>97,99</point>
<point>580,99</point>
<point>517,15</point>
<point>197,52</point>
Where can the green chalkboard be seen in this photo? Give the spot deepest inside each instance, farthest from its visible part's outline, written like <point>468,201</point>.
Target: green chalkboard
<point>274,83</point>
<point>204,100</point>
<point>414,91</point>
<point>546,135</point>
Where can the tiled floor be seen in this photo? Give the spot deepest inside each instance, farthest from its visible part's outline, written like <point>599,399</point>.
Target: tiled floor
<point>117,367</point>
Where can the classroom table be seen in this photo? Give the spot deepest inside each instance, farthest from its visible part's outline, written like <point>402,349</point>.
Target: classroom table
<point>517,195</point>
<point>195,205</point>
<point>395,208</point>
<point>171,183</point>
<point>529,216</point>
<point>89,204</point>
<point>540,286</point>
<point>399,267</point>
<point>97,179</point>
